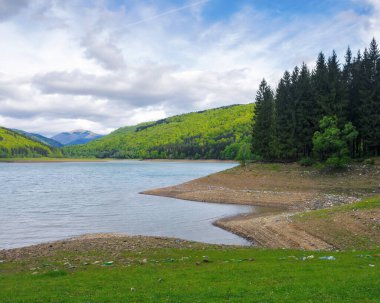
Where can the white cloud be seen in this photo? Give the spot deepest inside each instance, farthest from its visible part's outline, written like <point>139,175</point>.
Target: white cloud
<point>67,65</point>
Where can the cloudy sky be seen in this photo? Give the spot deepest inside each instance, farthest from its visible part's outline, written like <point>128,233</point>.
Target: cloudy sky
<point>100,65</point>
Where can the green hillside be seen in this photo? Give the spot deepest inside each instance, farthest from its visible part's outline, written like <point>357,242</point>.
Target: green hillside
<point>211,134</point>
<point>15,145</point>
<point>39,138</point>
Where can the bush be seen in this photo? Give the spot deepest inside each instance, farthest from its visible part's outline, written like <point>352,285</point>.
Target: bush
<point>369,162</point>
<point>306,161</point>
<point>331,145</point>
<point>244,154</point>
<point>336,162</point>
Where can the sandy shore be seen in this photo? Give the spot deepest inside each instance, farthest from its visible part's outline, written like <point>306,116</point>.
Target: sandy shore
<point>288,188</point>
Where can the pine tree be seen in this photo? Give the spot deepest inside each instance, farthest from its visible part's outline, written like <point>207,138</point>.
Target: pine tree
<point>321,86</point>
<point>372,108</point>
<point>376,97</point>
<point>369,107</point>
<point>263,129</point>
<point>285,145</point>
<point>355,101</point>
<point>337,101</point>
<point>306,113</point>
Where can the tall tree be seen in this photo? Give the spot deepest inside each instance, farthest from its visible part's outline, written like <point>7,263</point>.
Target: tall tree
<point>263,129</point>
<point>285,143</point>
<point>369,107</point>
<point>306,113</point>
<point>337,101</point>
<point>355,100</point>
<point>321,86</point>
<point>376,98</point>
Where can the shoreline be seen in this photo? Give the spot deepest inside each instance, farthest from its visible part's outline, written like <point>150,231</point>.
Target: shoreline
<point>294,190</point>
<point>287,189</point>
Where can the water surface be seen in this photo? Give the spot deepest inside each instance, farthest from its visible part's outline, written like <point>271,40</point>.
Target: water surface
<point>41,202</point>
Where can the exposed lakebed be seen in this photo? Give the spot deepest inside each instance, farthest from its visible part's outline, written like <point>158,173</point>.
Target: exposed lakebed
<point>42,202</point>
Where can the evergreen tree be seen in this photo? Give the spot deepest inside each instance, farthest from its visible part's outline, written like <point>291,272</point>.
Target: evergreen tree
<point>321,86</point>
<point>306,113</point>
<point>369,106</point>
<point>376,114</point>
<point>337,103</point>
<point>355,100</point>
<point>262,139</point>
<point>351,95</point>
<point>285,144</point>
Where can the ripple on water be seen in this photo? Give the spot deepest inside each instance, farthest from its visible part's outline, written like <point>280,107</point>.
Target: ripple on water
<point>42,202</point>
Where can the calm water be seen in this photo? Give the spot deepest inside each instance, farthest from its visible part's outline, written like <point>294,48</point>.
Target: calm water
<point>41,202</point>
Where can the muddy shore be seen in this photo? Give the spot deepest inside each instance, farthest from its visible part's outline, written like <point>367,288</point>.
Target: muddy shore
<point>287,188</point>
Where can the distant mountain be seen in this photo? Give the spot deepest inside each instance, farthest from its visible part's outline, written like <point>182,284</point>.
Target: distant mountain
<point>76,137</point>
<point>16,145</point>
<point>211,134</point>
<point>40,138</point>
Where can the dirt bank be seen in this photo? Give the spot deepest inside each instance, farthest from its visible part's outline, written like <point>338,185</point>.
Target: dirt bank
<point>290,187</point>
<point>111,244</point>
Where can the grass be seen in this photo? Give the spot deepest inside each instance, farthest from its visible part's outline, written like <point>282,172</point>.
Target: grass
<point>182,275</point>
<point>366,204</point>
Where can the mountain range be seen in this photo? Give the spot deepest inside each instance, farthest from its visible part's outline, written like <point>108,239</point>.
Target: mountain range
<point>76,137</point>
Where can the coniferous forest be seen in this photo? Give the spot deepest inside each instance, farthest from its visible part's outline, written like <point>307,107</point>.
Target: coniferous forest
<point>330,113</point>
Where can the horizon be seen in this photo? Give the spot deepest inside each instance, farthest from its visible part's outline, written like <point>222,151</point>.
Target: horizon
<point>101,65</point>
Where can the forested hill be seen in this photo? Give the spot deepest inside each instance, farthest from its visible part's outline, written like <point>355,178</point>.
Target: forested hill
<point>211,134</point>
<point>16,145</point>
<point>39,138</point>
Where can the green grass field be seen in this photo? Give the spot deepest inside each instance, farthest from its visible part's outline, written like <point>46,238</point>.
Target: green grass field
<point>182,275</point>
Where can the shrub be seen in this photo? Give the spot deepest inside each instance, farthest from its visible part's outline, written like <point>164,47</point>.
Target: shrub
<point>369,162</point>
<point>307,161</point>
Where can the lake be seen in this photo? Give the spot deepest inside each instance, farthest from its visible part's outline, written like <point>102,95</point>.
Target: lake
<point>41,202</point>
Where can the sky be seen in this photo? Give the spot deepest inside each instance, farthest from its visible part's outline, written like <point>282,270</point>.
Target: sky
<point>100,65</point>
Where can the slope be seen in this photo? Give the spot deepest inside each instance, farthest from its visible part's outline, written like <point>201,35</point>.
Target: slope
<point>39,138</point>
<point>211,134</point>
<point>15,145</point>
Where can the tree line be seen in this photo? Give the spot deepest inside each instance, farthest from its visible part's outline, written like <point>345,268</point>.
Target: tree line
<point>332,110</point>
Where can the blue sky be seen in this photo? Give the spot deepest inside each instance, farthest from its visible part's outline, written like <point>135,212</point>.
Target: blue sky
<point>103,64</point>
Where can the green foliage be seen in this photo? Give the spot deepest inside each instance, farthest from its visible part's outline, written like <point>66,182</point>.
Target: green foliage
<point>15,145</point>
<point>211,134</point>
<point>331,144</point>
<point>244,153</point>
<point>307,161</point>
